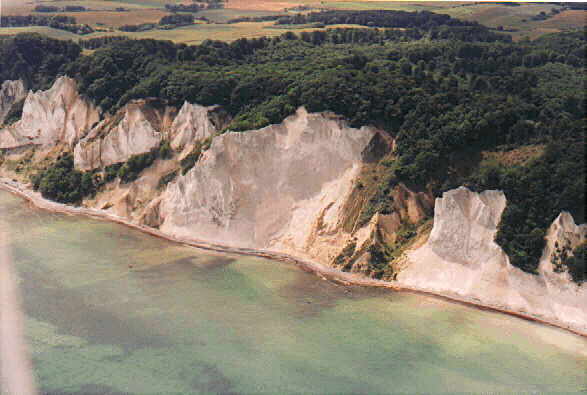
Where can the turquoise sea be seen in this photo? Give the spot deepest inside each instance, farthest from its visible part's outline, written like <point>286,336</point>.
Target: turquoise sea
<point>111,310</point>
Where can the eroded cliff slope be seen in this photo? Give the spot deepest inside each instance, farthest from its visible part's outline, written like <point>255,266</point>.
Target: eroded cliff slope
<point>135,129</point>
<point>195,123</point>
<point>58,115</point>
<point>11,92</point>
<point>269,188</point>
<point>461,258</point>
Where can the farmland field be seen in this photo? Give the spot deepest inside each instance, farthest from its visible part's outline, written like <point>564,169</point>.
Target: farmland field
<point>519,19</point>
<point>195,34</point>
<point>26,6</point>
<point>516,20</point>
<point>117,19</point>
<point>224,15</point>
<point>389,5</point>
<point>47,31</point>
<point>277,5</point>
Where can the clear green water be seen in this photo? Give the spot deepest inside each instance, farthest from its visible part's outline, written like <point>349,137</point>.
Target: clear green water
<point>111,310</point>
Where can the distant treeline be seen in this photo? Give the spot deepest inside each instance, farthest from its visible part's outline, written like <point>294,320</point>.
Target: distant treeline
<point>212,3</point>
<point>98,42</point>
<point>143,27</point>
<point>397,19</point>
<point>167,22</point>
<point>67,8</point>
<point>61,22</point>
<point>36,20</point>
<point>504,3</point>
<point>194,7</point>
<point>264,18</point>
<point>177,20</point>
<point>572,6</point>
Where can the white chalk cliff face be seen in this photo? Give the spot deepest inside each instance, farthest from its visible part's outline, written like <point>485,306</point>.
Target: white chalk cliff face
<point>267,188</point>
<point>135,129</point>
<point>58,115</point>
<point>11,92</point>
<point>140,126</point>
<point>461,258</point>
<point>194,123</point>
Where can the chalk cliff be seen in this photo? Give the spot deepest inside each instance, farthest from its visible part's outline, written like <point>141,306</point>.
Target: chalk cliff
<point>140,126</point>
<point>461,258</point>
<point>135,129</point>
<point>298,187</point>
<point>194,123</point>
<point>268,188</point>
<point>58,115</point>
<point>11,92</point>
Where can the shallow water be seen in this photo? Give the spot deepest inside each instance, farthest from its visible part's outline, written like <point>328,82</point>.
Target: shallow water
<point>112,310</point>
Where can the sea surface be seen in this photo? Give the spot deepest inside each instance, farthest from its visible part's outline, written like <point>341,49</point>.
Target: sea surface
<point>111,310</point>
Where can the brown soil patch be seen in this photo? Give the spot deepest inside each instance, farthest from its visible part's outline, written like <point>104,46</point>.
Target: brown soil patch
<point>517,156</point>
<point>569,19</point>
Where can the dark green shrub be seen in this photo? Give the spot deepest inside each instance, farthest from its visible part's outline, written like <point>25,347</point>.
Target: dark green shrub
<point>15,113</point>
<point>166,179</point>
<point>190,160</point>
<point>133,167</point>
<point>165,150</point>
<point>62,183</point>
<point>345,254</point>
<point>111,172</point>
<point>577,264</point>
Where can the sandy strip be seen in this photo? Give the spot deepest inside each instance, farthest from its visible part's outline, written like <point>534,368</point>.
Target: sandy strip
<point>16,375</point>
<point>325,272</point>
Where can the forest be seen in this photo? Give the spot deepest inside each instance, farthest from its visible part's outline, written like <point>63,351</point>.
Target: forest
<point>460,100</point>
<point>61,22</point>
<point>378,18</point>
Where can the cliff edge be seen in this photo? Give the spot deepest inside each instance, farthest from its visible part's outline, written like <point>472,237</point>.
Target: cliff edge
<point>11,92</point>
<point>268,188</point>
<point>462,259</point>
<point>58,115</point>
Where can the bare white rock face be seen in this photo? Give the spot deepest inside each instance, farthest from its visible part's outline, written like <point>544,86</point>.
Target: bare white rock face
<point>194,123</point>
<point>58,115</point>
<point>140,127</point>
<point>267,188</point>
<point>462,259</point>
<point>135,129</point>
<point>11,92</point>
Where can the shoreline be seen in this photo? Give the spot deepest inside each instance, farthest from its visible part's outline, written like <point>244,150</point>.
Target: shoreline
<point>322,271</point>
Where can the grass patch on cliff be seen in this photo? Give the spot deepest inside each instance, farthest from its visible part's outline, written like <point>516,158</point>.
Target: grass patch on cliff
<point>190,159</point>
<point>577,264</point>
<point>22,164</point>
<point>15,113</point>
<point>166,179</point>
<point>134,166</point>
